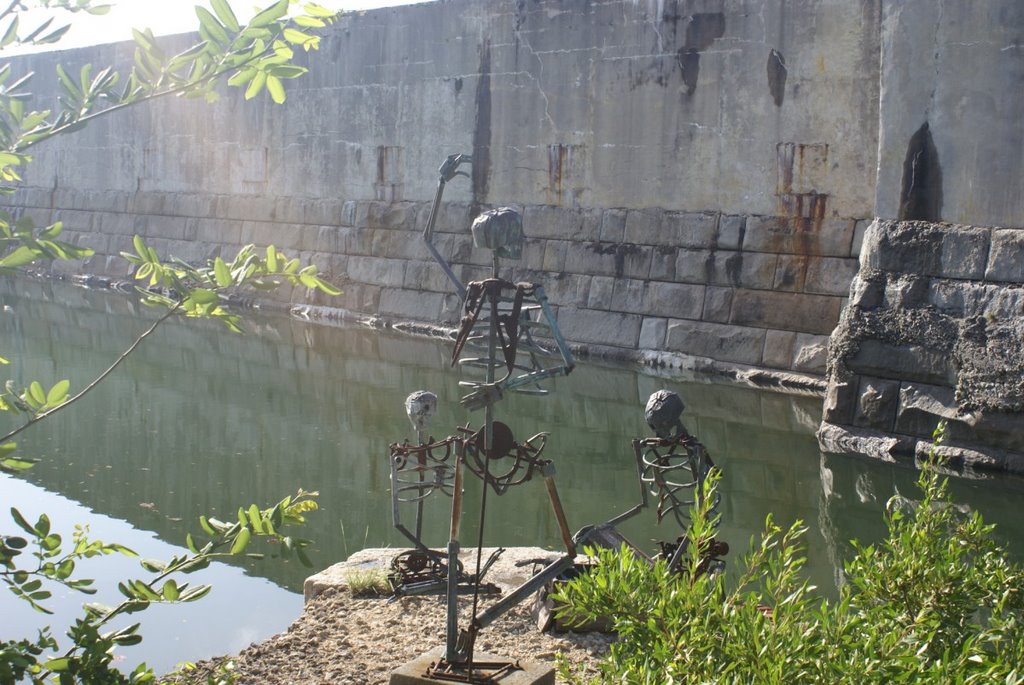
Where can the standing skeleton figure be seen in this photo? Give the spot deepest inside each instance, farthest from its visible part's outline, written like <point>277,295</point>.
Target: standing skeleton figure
<point>499,338</point>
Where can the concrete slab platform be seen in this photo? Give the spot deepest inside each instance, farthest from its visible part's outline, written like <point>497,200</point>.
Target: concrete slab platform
<point>525,673</point>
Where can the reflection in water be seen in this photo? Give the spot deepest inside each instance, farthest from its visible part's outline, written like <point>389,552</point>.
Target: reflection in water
<point>217,624</point>
<point>200,421</point>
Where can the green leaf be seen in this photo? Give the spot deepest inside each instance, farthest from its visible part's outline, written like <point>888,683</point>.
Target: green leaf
<point>255,518</point>
<point>276,89</point>
<point>98,610</point>
<point>286,70</point>
<point>11,464</point>
<point>221,273</point>
<point>140,248</point>
<point>31,37</point>
<point>296,37</point>
<point>53,231</point>
<point>194,593</point>
<point>170,591</point>
<point>210,23</point>
<point>272,262</point>
<point>11,34</point>
<point>127,636</point>
<point>58,393</point>
<point>23,523</point>
<point>153,565</point>
<point>242,76</point>
<point>327,288</point>
<point>309,22</point>
<point>57,665</point>
<point>20,257</point>
<point>241,542</point>
<point>203,296</point>
<point>144,39</point>
<point>53,36</point>
<point>270,14</point>
<point>318,11</point>
<point>223,10</point>
<point>70,87</point>
<point>187,57</point>
<point>256,85</point>
<point>37,392</point>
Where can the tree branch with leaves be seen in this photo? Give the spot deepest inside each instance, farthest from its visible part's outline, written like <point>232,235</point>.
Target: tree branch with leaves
<point>257,56</point>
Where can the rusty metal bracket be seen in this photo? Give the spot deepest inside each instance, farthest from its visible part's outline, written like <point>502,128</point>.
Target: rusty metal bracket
<point>478,673</point>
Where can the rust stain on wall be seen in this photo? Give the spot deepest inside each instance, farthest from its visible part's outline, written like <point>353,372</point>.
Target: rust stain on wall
<point>565,163</point>
<point>801,207</point>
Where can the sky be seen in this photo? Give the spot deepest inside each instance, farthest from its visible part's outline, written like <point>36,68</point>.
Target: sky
<point>163,16</point>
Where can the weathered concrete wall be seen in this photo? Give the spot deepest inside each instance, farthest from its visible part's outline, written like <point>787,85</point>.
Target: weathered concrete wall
<point>951,103</point>
<point>694,174</point>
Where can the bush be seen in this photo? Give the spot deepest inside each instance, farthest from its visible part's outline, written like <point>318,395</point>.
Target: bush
<point>937,602</point>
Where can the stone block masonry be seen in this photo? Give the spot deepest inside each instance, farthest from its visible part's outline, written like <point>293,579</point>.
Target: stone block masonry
<point>702,301</point>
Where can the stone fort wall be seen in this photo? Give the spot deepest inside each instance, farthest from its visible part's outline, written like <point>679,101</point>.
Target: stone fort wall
<point>696,176</point>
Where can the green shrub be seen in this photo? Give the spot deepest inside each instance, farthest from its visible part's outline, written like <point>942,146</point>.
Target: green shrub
<point>936,602</point>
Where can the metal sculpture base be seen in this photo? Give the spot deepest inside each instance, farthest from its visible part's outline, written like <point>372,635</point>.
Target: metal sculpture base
<point>488,669</point>
<point>425,572</point>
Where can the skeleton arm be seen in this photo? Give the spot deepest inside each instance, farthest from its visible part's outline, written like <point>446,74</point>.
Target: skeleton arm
<point>449,170</point>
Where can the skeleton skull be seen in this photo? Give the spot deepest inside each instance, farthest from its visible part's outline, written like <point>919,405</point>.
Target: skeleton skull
<point>421,407</point>
<point>662,413</point>
<point>500,230</point>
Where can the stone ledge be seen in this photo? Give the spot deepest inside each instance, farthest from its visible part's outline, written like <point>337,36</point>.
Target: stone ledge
<point>506,573</point>
<point>956,459</point>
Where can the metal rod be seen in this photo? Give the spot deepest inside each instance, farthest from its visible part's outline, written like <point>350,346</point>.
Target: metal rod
<point>428,237</point>
<point>556,504</point>
<point>452,628</point>
<point>529,587</point>
<point>452,623</point>
<point>492,346</point>
<point>422,459</point>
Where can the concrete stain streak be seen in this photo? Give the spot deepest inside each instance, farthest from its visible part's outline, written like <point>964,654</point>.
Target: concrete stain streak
<point>482,127</point>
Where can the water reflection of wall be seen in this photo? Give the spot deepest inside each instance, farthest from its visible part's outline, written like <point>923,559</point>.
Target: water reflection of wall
<point>854,492</point>
<point>202,420</point>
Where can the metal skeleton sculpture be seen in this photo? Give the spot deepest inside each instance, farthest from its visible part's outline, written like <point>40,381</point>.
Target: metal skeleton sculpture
<point>499,335</point>
<point>672,467</point>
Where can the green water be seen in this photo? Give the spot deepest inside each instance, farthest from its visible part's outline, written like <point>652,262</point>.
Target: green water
<point>200,420</point>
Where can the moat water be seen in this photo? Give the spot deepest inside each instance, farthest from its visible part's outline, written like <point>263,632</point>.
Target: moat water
<point>201,420</point>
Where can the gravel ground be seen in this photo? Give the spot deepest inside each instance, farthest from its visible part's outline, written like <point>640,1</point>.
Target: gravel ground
<point>340,639</point>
